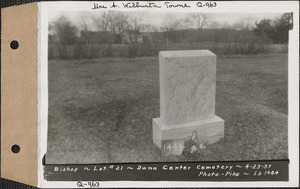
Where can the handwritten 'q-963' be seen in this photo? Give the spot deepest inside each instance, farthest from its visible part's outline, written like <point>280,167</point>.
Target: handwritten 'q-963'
<point>136,5</point>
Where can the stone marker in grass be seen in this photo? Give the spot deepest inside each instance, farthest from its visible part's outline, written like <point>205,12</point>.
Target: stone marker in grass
<point>187,97</point>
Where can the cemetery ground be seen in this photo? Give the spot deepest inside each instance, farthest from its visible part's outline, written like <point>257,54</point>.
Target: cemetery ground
<point>100,111</point>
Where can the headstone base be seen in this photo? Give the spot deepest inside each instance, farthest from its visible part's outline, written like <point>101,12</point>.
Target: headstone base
<point>208,130</point>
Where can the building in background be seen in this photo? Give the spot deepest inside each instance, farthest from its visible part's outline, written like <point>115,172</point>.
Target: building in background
<point>130,36</point>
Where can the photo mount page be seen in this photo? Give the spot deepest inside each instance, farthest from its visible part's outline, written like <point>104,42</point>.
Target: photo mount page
<point>131,93</point>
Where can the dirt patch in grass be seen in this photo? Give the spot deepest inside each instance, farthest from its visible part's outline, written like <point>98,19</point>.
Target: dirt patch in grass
<point>101,110</point>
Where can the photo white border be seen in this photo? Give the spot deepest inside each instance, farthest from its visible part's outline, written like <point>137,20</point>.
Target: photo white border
<point>222,7</point>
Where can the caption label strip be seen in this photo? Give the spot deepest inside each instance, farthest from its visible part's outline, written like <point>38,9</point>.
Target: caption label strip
<point>276,170</point>
<point>158,5</point>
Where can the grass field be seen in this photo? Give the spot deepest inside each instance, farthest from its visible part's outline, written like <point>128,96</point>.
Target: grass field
<point>101,110</point>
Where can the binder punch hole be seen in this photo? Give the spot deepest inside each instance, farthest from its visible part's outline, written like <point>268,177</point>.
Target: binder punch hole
<point>14,44</point>
<point>15,148</point>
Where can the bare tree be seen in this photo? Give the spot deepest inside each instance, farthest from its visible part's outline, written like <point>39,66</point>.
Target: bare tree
<point>102,20</point>
<point>200,20</point>
<point>171,24</point>
<point>135,25</point>
<point>103,24</point>
<point>117,25</point>
<point>83,22</point>
<point>184,25</point>
<point>219,31</point>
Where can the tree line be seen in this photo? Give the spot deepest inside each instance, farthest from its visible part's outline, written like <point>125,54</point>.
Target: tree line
<point>197,27</point>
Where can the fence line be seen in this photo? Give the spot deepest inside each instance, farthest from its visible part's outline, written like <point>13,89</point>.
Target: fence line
<point>91,51</point>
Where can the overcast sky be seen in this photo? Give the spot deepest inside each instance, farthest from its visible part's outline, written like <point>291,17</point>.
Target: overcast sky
<point>157,18</point>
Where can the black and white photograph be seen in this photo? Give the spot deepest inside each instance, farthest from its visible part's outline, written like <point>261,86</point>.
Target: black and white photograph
<point>104,88</point>
<point>149,94</point>
<point>142,86</point>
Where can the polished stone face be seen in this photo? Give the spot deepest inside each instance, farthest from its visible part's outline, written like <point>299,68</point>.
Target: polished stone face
<point>187,85</point>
